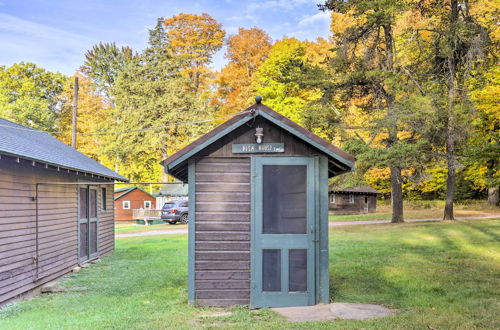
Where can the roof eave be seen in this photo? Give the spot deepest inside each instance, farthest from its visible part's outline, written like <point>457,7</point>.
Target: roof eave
<point>118,178</point>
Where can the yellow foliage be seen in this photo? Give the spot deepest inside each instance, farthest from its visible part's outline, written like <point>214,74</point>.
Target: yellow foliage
<point>93,114</point>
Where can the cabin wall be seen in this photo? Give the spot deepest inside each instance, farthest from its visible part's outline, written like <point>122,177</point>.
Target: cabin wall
<point>136,198</point>
<point>362,204</point>
<point>222,231</point>
<point>57,226</point>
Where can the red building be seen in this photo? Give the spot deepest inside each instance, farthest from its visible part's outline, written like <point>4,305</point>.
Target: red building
<point>131,198</point>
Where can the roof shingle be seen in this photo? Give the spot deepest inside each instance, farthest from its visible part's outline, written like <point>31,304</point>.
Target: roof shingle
<point>20,141</point>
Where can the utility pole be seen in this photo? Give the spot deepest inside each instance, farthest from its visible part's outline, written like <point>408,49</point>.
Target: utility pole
<point>75,109</point>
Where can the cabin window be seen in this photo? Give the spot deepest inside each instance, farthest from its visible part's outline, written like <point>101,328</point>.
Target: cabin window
<point>126,205</point>
<point>147,204</point>
<point>366,200</point>
<point>351,199</point>
<point>332,198</point>
<point>103,199</point>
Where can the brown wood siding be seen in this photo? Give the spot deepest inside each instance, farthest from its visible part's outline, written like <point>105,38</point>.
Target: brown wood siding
<point>222,269</point>
<point>136,198</point>
<point>57,226</point>
<point>272,134</point>
<point>342,205</point>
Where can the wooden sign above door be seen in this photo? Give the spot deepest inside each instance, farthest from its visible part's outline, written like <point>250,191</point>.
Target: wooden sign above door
<point>254,148</point>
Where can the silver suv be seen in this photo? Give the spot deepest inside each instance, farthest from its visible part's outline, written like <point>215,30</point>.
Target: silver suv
<point>175,211</point>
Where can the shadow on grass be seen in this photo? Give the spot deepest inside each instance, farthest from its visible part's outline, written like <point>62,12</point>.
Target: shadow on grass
<point>384,269</point>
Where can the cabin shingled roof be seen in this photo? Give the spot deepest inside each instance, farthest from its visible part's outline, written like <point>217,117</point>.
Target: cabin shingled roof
<point>125,190</point>
<point>27,143</point>
<point>358,189</point>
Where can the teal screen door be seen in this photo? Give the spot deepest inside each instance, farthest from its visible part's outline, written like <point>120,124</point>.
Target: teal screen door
<point>283,232</point>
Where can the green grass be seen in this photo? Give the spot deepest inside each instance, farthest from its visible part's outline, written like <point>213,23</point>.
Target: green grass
<point>442,275</point>
<point>122,228</point>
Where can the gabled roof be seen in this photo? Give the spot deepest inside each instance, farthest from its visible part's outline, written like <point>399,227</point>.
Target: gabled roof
<point>27,143</point>
<point>174,190</point>
<point>127,190</point>
<point>358,189</point>
<point>340,161</point>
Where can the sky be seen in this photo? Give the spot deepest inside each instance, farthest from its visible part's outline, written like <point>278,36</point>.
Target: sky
<point>55,34</point>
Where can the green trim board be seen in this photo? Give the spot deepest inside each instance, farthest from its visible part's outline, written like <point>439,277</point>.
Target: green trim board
<point>191,230</point>
<point>235,125</point>
<point>208,142</point>
<point>284,243</point>
<point>322,267</point>
<point>305,138</point>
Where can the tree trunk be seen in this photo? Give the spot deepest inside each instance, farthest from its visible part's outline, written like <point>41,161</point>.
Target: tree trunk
<point>450,124</point>
<point>396,195</point>
<point>450,187</point>
<point>396,180</point>
<point>494,196</point>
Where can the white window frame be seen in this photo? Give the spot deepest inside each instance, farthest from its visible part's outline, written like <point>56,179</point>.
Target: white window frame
<point>332,199</point>
<point>351,198</point>
<point>149,205</point>
<point>126,205</point>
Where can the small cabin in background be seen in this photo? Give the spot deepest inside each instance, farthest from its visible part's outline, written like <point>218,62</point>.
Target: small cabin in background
<point>356,200</point>
<point>171,192</point>
<point>129,199</point>
<point>56,209</point>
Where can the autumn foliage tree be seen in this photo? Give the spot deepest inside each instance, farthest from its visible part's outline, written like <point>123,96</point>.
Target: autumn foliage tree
<point>246,51</point>
<point>194,39</point>
<point>93,115</point>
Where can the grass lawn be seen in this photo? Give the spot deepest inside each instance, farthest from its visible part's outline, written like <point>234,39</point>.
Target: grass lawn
<point>433,209</point>
<point>121,228</point>
<point>442,275</point>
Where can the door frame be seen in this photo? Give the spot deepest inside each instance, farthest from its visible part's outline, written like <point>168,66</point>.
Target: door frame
<point>316,281</point>
<point>88,221</point>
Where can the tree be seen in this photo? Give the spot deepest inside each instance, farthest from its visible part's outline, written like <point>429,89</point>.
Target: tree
<point>194,39</point>
<point>93,115</point>
<point>151,93</point>
<point>457,45</point>
<point>29,95</point>
<point>104,63</point>
<point>246,51</point>
<point>367,73</point>
<point>281,78</point>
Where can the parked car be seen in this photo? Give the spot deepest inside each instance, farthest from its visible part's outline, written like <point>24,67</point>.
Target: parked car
<point>175,211</point>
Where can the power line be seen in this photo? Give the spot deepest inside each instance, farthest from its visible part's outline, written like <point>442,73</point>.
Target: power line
<point>132,130</point>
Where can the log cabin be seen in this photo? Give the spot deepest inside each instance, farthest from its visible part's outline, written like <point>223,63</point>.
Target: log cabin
<point>355,200</point>
<point>56,209</point>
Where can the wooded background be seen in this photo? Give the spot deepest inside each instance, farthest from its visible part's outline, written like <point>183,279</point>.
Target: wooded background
<point>410,88</point>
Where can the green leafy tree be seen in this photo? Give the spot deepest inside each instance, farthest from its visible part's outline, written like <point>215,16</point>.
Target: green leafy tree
<point>104,62</point>
<point>368,78</point>
<point>153,93</point>
<point>29,95</point>
<point>456,47</point>
<point>283,79</point>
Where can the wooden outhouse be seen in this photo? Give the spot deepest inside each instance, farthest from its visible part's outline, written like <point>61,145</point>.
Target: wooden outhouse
<point>56,209</point>
<point>355,200</point>
<point>258,198</point>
